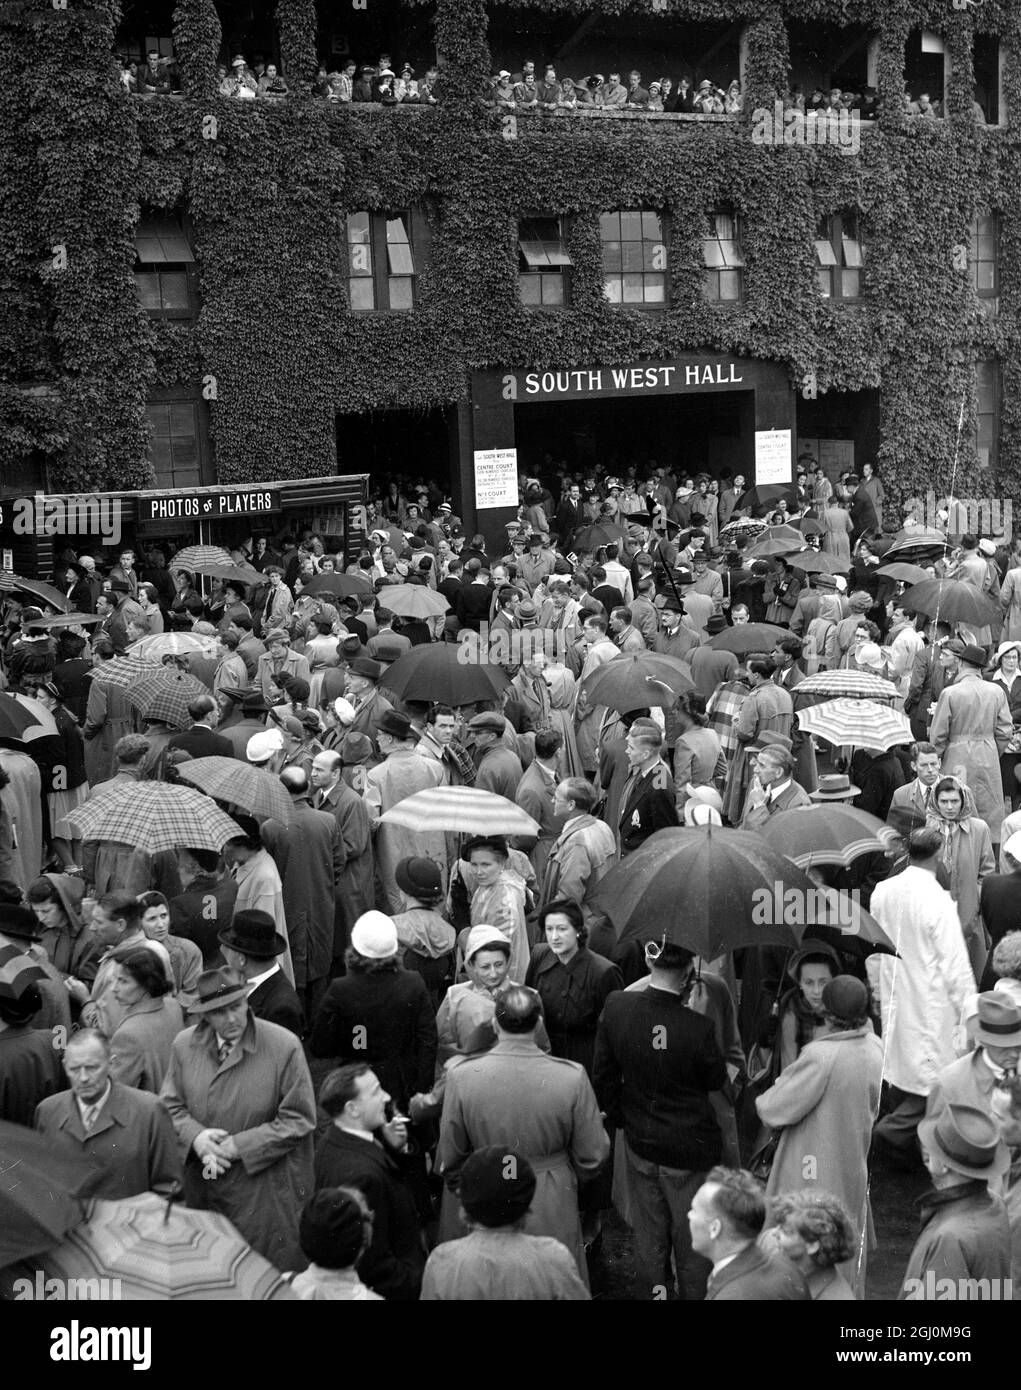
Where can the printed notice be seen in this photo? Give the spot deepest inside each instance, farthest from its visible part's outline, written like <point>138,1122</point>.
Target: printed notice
<point>496,477</point>
<point>772,456</point>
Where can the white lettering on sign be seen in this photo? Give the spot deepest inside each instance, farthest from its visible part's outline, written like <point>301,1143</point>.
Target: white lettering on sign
<point>646,377</point>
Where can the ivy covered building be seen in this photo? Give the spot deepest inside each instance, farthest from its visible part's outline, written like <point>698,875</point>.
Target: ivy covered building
<point>205,293</point>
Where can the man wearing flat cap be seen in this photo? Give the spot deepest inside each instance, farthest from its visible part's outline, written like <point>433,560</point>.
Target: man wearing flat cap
<point>971,728</point>
<point>369,705</point>
<point>498,770</point>
<point>401,774</point>
<point>242,1103</point>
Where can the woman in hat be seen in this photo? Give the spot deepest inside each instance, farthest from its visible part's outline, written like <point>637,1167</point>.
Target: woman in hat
<point>142,1042</point>
<point>335,1231</point>
<point>816,1234</point>
<point>61,760</point>
<point>276,661</point>
<point>185,956</point>
<point>426,935</point>
<point>967,855</point>
<point>825,1104</point>
<point>1006,671</point>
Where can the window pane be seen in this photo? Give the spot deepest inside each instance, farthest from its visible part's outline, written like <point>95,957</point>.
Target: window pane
<point>655,289</point>
<point>401,292</point>
<point>609,226</point>
<point>984,277</point>
<point>731,253</point>
<point>148,286</point>
<point>400,258</point>
<point>611,255</point>
<point>652,226</point>
<point>534,253</point>
<point>712,252</point>
<point>725,226</point>
<point>824,253</point>
<point>852,253</point>
<point>633,257</point>
<point>631,226</point>
<point>362,294</point>
<point>711,285</point>
<point>556,253</point>
<point>186,452</point>
<point>730,284</point>
<point>654,256</point>
<point>528,284</point>
<point>148,250</point>
<point>181,420</point>
<point>614,290</point>
<point>825,283</point>
<point>552,289</point>
<point>357,226</point>
<point>633,289</point>
<point>850,284</point>
<point>174,287</point>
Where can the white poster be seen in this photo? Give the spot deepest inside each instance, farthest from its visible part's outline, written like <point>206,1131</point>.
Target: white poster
<point>772,456</point>
<point>496,478</point>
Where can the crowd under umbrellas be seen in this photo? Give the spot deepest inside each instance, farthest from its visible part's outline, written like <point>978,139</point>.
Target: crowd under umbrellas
<point>468,877</point>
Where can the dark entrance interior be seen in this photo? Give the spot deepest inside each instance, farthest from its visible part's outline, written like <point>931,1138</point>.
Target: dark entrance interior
<point>710,432</point>
<point>408,444</point>
<point>840,430</point>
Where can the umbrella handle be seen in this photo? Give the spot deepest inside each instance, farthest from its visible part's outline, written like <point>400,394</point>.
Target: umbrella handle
<point>174,1193</point>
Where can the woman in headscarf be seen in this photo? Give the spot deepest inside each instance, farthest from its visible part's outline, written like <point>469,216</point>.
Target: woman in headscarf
<point>967,857</point>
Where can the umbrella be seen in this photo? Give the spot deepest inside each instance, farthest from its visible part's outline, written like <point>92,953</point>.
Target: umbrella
<point>66,620</point>
<point>763,495</point>
<point>835,685</point>
<point>465,809</point>
<point>859,723</point>
<point>165,695</point>
<point>415,601</point>
<point>771,546</point>
<point>159,1251</point>
<point>921,544</point>
<point>193,555</point>
<point>952,601</point>
<point>24,719</point>
<point>808,526</point>
<point>341,585</point>
<point>38,1192</point>
<point>440,673</point>
<point>743,526</point>
<point>244,574</point>
<point>638,680</point>
<point>598,534</point>
<point>124,670</point>
<point>818,562</point>
<point>251,788</point>
<point>45,593</point>
<point>833,834</point>
<point>154,816</point>
<point>17,972</point>
<point>161,644</point>
<point>840,920</point>
<point>745,638</point>
<point>711,890</point>
<point>784,533</point>
<point>905,573</point>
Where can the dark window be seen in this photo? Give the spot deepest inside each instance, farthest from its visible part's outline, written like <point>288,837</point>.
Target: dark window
<point>840,256</point>
<point>987,389</point>
<point>723,280</point>
<point>634,258</point>
<point>381,260</point>
<point>544,265</point>
<point>165,268</point>
<point>175,443</point>
<point>986,59</point>
<point>984,260</point>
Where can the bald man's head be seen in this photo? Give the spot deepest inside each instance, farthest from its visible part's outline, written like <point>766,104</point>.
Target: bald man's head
<point>295,781</point>
<point>518,1010</point>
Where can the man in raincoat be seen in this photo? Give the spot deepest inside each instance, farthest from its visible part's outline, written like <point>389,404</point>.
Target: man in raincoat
<point>971,728</point>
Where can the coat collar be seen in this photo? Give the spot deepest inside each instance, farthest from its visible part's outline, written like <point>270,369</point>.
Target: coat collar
<point>930,1202</point>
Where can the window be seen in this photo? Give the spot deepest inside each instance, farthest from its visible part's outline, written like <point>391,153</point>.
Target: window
<point>987,58</point>
<point>174,443</point>
<point>164,268</point>
<point>987,389</point>
<point>634,258</point>
<point>983,260</point>
<point>543,262</point>
<point>724,260</point>
<point>381,261</point>
<point>838,251</point>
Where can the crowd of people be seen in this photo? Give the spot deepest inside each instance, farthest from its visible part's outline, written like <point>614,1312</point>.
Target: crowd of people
<point>526,91</point>
<point>412,1061</point>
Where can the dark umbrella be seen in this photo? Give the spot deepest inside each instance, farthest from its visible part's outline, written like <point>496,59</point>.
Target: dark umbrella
<point>808,526</point>
<point>771,546</point>
<point>745,638</point>
<point>916,546</point>
<point>22,720</point>
<point>766,494</point>
<point>441,673</point>
<point>45,593</point>
<point>244,574</point>
<point>952,601</point>
<point>709,889</point>
<point>39,1188</point>
<point>66,620</point>
<point>904,573</point>
<point>598,534</point>
<point>340,585</point>
<point>817,562</point>
<point>638,680</point>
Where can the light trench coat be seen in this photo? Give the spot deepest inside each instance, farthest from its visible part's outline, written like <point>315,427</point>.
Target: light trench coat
<point>970,729</point>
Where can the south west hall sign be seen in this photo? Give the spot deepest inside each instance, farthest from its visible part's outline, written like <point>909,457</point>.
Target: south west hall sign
<point>646,378</point>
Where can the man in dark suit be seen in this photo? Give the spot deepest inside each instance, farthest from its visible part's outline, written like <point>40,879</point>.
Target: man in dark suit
<point>862,510</point>
<point>661,1101</point>
<point>879,775</point>
<point>915,796</point>
<point>362,1150</point>
<point>251,944</point>
<point>473,601</point>
<point>570,516</point>
<point>726,1218</point>
<point>127,1135</point>
<point>1000,905</point>
<point>199,740</point>
<point>648,802</point>
<point>206,906</point>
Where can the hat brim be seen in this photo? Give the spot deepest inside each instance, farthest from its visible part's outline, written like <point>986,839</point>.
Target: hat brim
<point>226,938</point>
<point>987,1039</point>
<point>836,796</point>
<point>1001,1162</point>
<point>222,1001</point>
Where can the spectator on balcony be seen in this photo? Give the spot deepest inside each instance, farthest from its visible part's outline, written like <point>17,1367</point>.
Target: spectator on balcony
<point>129,76</point>
<point>340,85</point>
<point>567,99</point>
<point>588,91</point>
<point>527,70</point>
<point>797,100</point>
<point>683,100</point>
<point>426,93</point>
<point>362,89</point>
<point>923,107</point>
<point>526,92</point>
<point>655,102</point>
<point>258,68</point>
<point>666,91</point>
<point>240,83</point>
<point>385,92</point>
<point>636,93</point>
<point>548,90</point>
<point>503,90</point>
<point>733,101</point>
<point>271,84</point>
<point>406,86</point>
<point>154,80</point>
<point>321,82</point>
<point>817,101</point>
<point>709,100</point>
<point>614,92</point>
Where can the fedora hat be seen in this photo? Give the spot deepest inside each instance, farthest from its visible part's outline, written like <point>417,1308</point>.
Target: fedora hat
<point>218,989</point>
<point>394,724</point>
<point>835,786</point>
<point>998,1022</point>
<point>19,923</point>
<point>967,1140</point>
<point>967,652</point>
<point>365,666</point>
<point>253,933</point>
<point>254,702</point>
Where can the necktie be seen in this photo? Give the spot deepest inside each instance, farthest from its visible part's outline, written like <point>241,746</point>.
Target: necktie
<point>225,1049</point>
<point>89,1117</point>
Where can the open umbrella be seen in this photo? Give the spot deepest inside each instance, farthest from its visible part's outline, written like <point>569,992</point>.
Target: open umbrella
<point>160,644</point>
<point>744,638</point>
<point>447,673</point>
<point>858,723</point>
<point>17,972</point>
<point>154,816</point>
<point>251,788</point>
<point>830,834</point>
<point>467,810</point>
<point>952,601</point>
<point>124,670</point>
<point>156,1253</point>
<point>193,555</point>
<point>808,526</point>
<point>744,527</point>
<point>709,889</point>
<point>598,534</point>
<point>904,573</point>
<point>771,546</point>
<point>66,620</point>
<point>38,589</point>
<point>39,1188</point>
<point>340,585</point>
<point>852,685</point>
<point>818,562</point>
<point>638,680</point>
<point>165,695</point>
<point>24,719</point>
<point>916,545</point>
<point>767,494</point>
<point>244,574</point>
<point>415,601</point>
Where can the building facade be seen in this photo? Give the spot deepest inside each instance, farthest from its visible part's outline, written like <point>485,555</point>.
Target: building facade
<point>202,292</point>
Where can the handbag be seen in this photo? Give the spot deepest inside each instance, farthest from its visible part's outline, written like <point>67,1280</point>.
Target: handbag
<point>760,1165</point>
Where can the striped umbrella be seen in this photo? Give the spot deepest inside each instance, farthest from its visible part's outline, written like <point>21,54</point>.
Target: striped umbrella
<point>415,601</point>
<point>834,834</point>
<point>835,685</point>
<point>251,788</point>
<point>464,809</point>
<point>158,1251</point>
<point>155,816</point>
<point>193,555</point>
<point>17,972</point>
<point>124,670</point>
<point>857,723</point>
<point>165,695</point>
<point>160,644</point>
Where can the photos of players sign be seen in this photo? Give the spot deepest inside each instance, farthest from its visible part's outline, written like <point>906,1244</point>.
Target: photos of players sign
<point>772,456</point>
<point>496,478</point>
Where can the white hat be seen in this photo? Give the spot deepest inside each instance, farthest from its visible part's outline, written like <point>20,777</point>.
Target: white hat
<point>705,796</point>
<point>482,936</point>
<point>698,813</point>
<point>1012,847</point>
<point>870,655</point>
<point>503,73</point>
<point>344,709</point>
<point>87,562</point>
<point>987,547</point>
<point>841,583</point>
<point>374,936</point>
<point>261,747</point>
